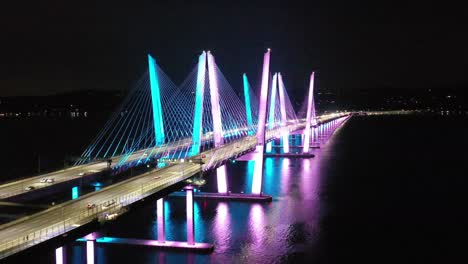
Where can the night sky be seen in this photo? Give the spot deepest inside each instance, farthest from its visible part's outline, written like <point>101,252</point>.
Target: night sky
<point>57,46</point>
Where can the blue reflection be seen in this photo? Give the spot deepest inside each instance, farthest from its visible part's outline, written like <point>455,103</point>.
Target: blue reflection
<point>97,186</point>
<point>249,176</point>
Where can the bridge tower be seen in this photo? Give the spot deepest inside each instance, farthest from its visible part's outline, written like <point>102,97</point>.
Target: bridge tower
<point>271,114</point>
<point>310,103</point>
<point>217,123</point>
<point>284,118</point>
<point>248,108</point>
<point>197,118</point>
<point>205,60</point>
<point>156,101</point>
<point>258,169</point>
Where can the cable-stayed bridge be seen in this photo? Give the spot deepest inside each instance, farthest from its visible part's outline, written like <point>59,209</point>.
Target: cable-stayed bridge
<point>203,119</point>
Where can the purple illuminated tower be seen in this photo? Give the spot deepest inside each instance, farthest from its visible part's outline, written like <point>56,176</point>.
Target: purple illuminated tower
<point>309,108</point>
<point>217,123</point>
<point>215,108</point>
<point>284,117</point>
<point>271,111</point>
<point>263,99</point>
<point>258,170</point>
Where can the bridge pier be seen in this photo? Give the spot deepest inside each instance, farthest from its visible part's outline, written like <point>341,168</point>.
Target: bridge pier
<point>221,179</point>
<point>60,257</point>
<point>190,218</point>
<point>160,219</point>
<point>90,245</point>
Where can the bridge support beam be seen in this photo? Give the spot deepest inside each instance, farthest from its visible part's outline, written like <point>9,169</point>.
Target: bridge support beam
<point>161,223</point>
<point>221,179</point>
<point>198,111</point>
<point>156,102</point>
<point>271,110</point>
<point>217,121</point>
<point>248,107</point>
<point>60,257</point>
<point>258,170</point>
<point>284,118</point>
<point>190,216</point>
<point>215,107</point>
<point>309,114</point>
<point>90,244</point>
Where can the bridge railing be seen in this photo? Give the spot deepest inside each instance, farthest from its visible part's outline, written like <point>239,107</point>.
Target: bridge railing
<point>80,217</point>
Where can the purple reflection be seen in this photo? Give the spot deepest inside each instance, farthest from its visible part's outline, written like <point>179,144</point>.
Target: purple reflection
<point>222,226</point>
<point>257,226</point>
<point>309,178</point>
<point>285,175</point>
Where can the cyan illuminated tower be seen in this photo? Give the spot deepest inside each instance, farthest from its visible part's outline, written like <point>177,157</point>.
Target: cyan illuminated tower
<point>248,107</point>
<point>206,59</point>
<point>156,101</point>
<point>198,111</point>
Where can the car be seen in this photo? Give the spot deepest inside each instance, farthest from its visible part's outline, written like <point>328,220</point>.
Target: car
<point>156,177</point>
<point>29,188</point>
<point>203,156</point>
<point>43,180</point>
<point>111,216</point>
<point>90,206</point>
<point>108,204</point>
<point>50,180</point>
<point>81,173</point>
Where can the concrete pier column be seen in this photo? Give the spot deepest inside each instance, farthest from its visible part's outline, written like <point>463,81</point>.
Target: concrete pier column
<point>60,255</point>
<point>221,179</point>
<point>161,224</point>
<point>190,216</point>
<point>90,244</point>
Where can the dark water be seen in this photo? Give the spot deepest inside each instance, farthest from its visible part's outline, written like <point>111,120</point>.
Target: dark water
<point>384,189</point>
